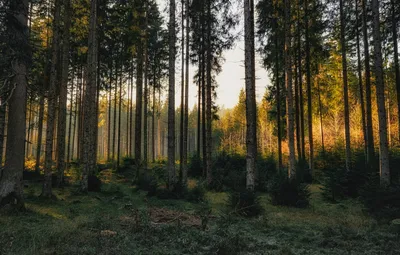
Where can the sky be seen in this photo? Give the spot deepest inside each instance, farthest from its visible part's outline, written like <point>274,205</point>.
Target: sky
<point>230,80</point>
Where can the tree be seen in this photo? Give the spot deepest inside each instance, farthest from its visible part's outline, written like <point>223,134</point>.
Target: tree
<point>251,109</point>
<point>11,189</point>
<point>345,86</point>
<point>289,91</point>
<point>380,97</point>
<point>90,125</point>
<point>171,97</point>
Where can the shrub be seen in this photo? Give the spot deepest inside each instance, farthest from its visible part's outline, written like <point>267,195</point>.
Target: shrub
<point>287,192</point>
<point>196,194</point>
<point>195,168</point>
<point>383,203</point>
<point>245,203</point>
<point>334,184</point>
<point>267,169</point>
<point>149,183</point>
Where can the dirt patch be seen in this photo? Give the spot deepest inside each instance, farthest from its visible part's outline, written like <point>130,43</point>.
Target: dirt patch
<point>160,216</point>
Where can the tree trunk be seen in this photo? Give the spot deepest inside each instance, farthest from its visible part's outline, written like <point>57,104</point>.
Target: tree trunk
<point>182,93</point>
<point>251,107</point>
<point>171,97</point>
<point>51,107</point>
<point>345,87</point>
<point>62,104</point>
<point>289,92</point>
<point>138,112</point>
<point>2,129</point>
<point>90,125</point>
<point>186,110</point>
<point>146,97</point>
<point>11,189</point>
<point>115,114</point>
<point>70,122</point>
<point>309,92</point>
<point>380,98</point>
<point>109,115</point>
<point>119,114</point>
<point>360,82</point>
<point>368,103</point>
<point>396,61</point>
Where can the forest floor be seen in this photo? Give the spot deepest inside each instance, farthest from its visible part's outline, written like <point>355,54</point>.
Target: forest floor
<point>123,220</point>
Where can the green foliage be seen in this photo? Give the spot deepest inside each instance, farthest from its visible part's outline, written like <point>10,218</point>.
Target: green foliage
<point>289,192</point>
<point>196,194</point>
<point>245,203</point>
<point>148,182</point>
<point>266,169</point>
<point>195,167</point>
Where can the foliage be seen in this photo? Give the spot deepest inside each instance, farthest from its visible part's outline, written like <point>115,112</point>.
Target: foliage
<point>196,194</point>
<point>289,192</point>
<point>148,182</point>
<point>245,203</point>
<point>195,168</point>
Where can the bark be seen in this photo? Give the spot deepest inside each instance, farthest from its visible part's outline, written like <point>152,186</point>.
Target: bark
<point>2,129</point>
<point>90,125</point>
<point>345,86</point>
<point>368,100</point>
<point>138,112</point>
<point>251,108</point>
<point>119,115</point>
<point>109,115</point>
<point>380,98</point>
<point>171,97</point>
<point>186,110</point>
<point>51,107</point>
<point>40,133</point>
<point>70,122</point>
<point>182,93</point>
<point>146,98</point>
<point>209,99</point>
<point>278,93</point>
<point>309,92</point>
<point>115,112</point>
<point>11,189</point>
<point>396,60</point>
<point>28,139</point>
<point>62,104</point>
<point>360,82</point>
<point>289,92</point>
<point>321,117</point>
<point>297,110</point>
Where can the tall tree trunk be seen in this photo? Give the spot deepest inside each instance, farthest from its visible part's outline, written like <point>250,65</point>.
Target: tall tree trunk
<point>360,82</point>
<point>289,91</point>
<point>396,60</point>
<point>11,189</point>
<point>119,114</point>
<point>209,89</point>
<point>146,97</point>
<point>51,107</point>
<point>320,116</point>
<point>309,92</point>
<point>186,110</point>
<point>297,109</point>
<point>2,129</point>
<point>368,103</point>
<point>199,110</point>
<point>153,120</point>
<point>278,92</point>
<point>90,114</point>
<point>40,133</point>
<point>131,115</point>
<point>138,112</point>
<point>28,139</point>
<point>171,97</point>
<point>380,98</point>
<point>70,121</point>
<point>115,113</point>
<point>345,86</point>
<point>251,108</point>
<point>62,104</point>
<point>301,97</point>
<point>182,93</point>
<point>109,114</point>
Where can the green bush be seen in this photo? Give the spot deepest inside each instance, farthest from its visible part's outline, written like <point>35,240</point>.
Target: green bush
<point>245,203</point>
<point>287,192</point>
<point>147,182</point>
<point>196,194</point>
<point>195,167</point>
<point>267,169</point>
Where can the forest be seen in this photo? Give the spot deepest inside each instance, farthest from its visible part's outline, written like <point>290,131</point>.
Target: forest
<point>114,140</point>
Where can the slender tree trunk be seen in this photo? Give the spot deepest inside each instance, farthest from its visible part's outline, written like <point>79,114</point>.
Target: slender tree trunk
<point>321,117</point>
<point>2,129</point>
<point>360,83</point>
<point>109,115</point>
<point>251,107</point>
<point>119,115</point>
<point>309,92</point>
<point>138,112</point>
<point>62,104</point>
<point>199,99</point>
<point>345,86</point>
<point>278,92</point>
<point>368,103</point>
<point>186,110</point>
<point>153,120</point>
<point>289,92</point>
<point>380,98</point>
<point>297,109</point>
<point>131,116</point>
<point>70,122</point>
<point>182,116</point>
<point>40,133</point>
<point>396,60</point>
<point>115,113</point>
<point>11,189</point>
<point>51,108</point>
<point>90,114</point>
<point>171,97</point>
<point>28,139</point>
<point>146,98</point>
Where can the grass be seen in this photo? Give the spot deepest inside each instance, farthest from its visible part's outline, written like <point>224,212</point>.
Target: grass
<point>121,220</point>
